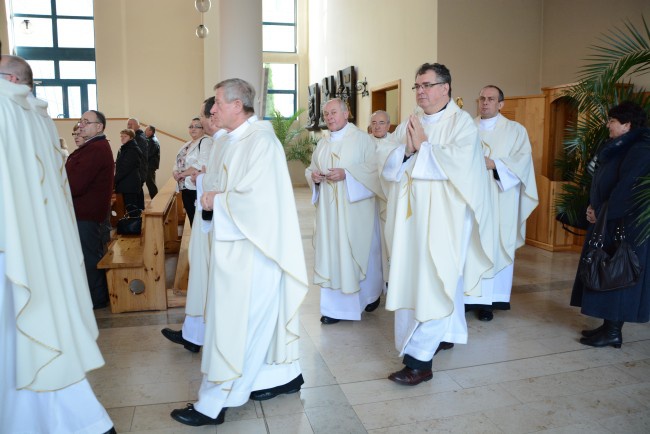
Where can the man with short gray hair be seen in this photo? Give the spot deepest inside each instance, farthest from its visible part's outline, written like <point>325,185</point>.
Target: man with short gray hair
<point>257,269</point>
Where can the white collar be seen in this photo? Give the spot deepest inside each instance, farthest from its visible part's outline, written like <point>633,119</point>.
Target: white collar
<point>488,124</point>
<point>335,136</point>
<point>239,131</point>
<point>432,119</point>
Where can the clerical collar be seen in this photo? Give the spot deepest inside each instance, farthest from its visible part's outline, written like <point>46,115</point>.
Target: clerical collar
<point>239,131</point>
<point>433,118</point>
<point>335,136</point>
<point>488,124</point>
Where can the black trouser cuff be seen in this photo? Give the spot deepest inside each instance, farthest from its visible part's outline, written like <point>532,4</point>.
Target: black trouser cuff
<point>413,363</point>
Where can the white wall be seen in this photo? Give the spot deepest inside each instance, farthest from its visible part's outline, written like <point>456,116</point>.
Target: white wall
<point>386,40</point>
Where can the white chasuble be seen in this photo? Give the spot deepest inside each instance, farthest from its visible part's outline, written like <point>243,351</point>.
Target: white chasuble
<point>514,197</point>
<point>508,145</point>
<point>56,328</point>
<point>344,224</point>
<point>255,214</point>
<point>430,199</point>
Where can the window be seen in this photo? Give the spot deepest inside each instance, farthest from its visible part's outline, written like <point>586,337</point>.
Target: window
<point>279,26</point>
<point>281,92</point>
<point>57,38</point>
<point>280,56</point>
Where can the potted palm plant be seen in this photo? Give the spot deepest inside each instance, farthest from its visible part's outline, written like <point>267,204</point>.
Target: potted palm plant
<point>296,140</point>
<point>622,55</point>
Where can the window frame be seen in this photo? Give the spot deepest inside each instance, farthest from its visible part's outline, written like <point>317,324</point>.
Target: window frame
<point>57,54</point>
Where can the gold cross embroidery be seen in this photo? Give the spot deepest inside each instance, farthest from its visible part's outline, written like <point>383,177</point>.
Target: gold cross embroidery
<point>408,191</point>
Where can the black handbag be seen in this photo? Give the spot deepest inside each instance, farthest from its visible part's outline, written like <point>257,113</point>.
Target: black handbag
<point>600,271</point>
<point>131,223</point>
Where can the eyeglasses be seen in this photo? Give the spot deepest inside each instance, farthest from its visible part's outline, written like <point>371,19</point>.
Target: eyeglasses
<point>87,122</point>
<point>425,86</point>
<point>379,123</point>
<point>75,134</point>
<point>194,127</point>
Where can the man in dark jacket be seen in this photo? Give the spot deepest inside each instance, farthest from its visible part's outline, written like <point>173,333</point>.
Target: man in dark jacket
<point>141,140</point>
<point>153,160</point>
<point>90,174</point>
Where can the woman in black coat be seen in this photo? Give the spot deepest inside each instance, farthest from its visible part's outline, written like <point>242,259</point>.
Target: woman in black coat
<point>127,170</point>
<point>619,164</point>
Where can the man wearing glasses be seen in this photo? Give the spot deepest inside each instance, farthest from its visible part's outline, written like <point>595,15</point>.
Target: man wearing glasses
<point>510,174</point>
<point>440,241</point>
<point>90,174</point>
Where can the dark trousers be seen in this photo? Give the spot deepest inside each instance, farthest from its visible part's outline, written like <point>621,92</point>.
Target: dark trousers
<point>140,198</point>
<point>131,202</point>
<point>151,184</point>
<point>189,203</point>
<point>92,247</point>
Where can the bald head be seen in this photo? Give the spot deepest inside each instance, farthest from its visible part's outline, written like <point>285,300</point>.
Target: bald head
<point>16,70</point>
<point>133,124</point>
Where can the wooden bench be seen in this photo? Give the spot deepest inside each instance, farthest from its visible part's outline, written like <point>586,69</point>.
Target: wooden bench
<point>136,264</point>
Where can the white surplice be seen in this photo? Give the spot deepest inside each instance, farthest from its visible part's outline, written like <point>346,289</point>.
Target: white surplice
<point>257,272</point>
<point>347,239</point>
<point>514,197</point>
<point>48,329</point>
<point>440,243</point>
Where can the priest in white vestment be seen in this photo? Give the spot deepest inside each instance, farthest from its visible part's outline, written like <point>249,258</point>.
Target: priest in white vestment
<point>192,333</point>
<point>440,243</point>
<point>48,330</point>
<point>347,242</point>
<point>510,173</point>
<point>380,129</point>
<point>257,268</point>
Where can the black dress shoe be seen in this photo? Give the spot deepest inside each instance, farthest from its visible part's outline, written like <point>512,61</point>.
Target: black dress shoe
<point>485,315</point>
<point>609,336</point>
<point>374,305</point>
<point>192,417</point>
<point>444,346</point>
<point>292,386</point>
<point>111,431</point>
<point>177,338</point>
<point>411,377</point>
<point>328,320</point>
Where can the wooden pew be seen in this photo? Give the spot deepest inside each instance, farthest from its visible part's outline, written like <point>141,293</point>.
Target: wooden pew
<point>136,264</point>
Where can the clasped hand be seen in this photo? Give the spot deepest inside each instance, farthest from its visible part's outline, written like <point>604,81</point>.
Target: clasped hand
<point>333,175</point>
<point>207,200</point>
<point>415,135</point>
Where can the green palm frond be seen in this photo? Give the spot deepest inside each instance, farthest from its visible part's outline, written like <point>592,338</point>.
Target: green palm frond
<point>296,141</point>
<point>605,80</point>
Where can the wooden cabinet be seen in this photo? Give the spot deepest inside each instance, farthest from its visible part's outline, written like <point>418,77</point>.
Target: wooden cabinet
<point>545,117</point>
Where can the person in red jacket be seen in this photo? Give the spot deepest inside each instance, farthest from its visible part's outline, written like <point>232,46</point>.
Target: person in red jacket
<point>90,171</point>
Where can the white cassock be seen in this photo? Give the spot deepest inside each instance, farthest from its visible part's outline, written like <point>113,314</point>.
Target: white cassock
<point>199,258</point>
<point>347,240</point>
<point>440,238</point>
<point>48,330</point>
<point>257,271</point>
<point>514,196</point>
<point>382,213</point>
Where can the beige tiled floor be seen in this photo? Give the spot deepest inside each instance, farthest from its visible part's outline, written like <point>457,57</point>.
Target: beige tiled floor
<point>523,372</point>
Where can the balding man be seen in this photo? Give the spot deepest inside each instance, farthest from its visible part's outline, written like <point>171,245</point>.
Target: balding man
<point>510,174</point>
<point>257,269</point>
<point>48,331</point>
<point>344,181</point>
<point>91,175</point>
<point>380,125</point>
<point>16,70</point>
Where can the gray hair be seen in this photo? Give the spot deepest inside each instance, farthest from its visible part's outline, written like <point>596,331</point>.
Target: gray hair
<point>236,88</point>
<point>342,104</point>
<point>381,112</point>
